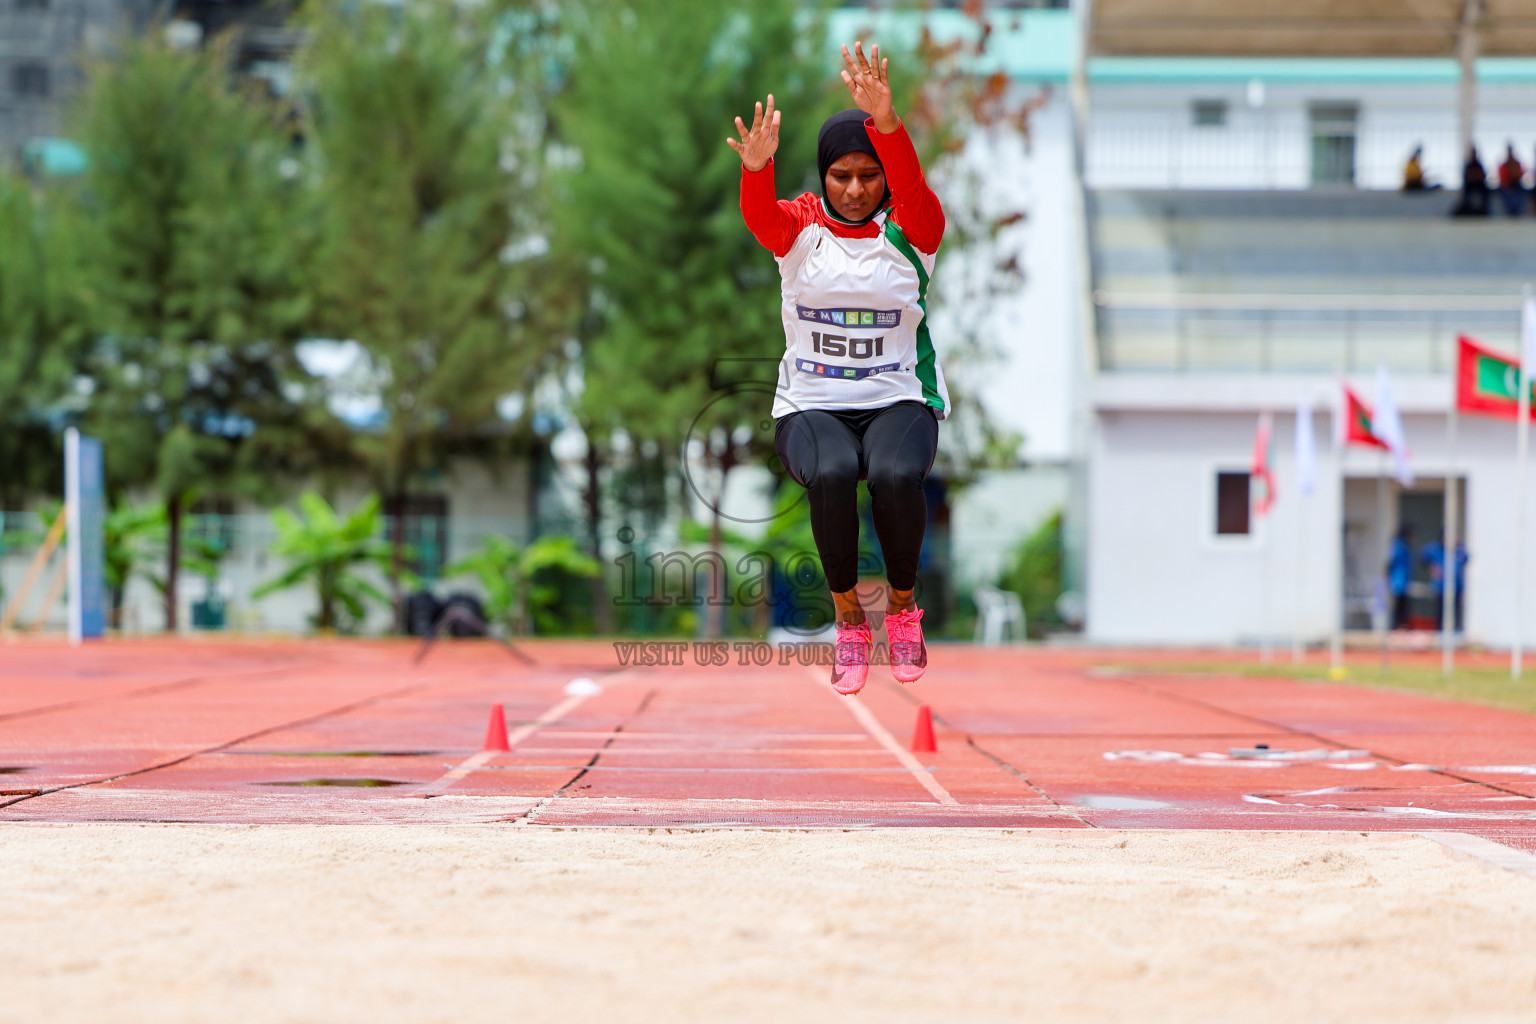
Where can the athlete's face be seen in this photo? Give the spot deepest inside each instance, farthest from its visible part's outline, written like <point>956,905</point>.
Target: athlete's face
<point>855,183</point>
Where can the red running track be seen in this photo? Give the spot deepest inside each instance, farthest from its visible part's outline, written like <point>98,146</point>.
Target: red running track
<point>284,731</point>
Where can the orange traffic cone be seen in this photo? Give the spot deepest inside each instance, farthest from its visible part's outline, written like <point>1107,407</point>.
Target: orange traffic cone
<point>922,735</point>
<point>496,730</point>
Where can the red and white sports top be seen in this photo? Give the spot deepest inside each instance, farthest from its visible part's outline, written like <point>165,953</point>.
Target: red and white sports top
<point>855,298</point>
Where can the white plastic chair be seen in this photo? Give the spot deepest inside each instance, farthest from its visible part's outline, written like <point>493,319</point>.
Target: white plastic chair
<point>997,610</point>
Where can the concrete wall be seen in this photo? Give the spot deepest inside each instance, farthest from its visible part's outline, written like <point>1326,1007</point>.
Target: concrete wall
<point>1157,573</point>
<point>1029,387</point>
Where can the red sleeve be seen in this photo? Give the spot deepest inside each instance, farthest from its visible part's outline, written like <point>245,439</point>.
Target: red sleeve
<point>917,208</point>
<point>774,222</point>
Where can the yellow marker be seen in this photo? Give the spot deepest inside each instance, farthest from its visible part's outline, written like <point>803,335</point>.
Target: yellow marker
<point>1337,672</point>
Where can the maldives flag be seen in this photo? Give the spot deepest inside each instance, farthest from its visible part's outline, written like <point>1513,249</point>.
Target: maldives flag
<point>1487,382</point>
<point>1260,472</point>
<point>1358,426</point>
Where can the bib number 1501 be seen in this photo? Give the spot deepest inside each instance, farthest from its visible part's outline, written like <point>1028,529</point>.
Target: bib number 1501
<point>853,348</point>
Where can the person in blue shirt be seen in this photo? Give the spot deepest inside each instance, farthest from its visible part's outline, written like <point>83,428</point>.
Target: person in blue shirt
<point>1399,574</point>
<point>1433,557</point>
<point>1459,579</point>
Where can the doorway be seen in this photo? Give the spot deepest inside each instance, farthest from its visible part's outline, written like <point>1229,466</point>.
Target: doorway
<point>1374,511</point>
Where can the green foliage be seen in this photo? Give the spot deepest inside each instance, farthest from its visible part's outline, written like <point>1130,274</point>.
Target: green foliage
<point>194,248</point>
<point>325,551</point>
<point>132,535</point>
<point>41,327</point>
<point>518,590</point>
<point>789,538</point>
<point>677,281</point>
<point>748,573</point>
<point>1034,572</point>
<point>411,123</point>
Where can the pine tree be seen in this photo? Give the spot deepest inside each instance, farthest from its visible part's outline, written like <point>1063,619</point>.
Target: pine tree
<point>41,326</point>
<point>685,299</point>
<point>193,262</point>
<point>423,163</point>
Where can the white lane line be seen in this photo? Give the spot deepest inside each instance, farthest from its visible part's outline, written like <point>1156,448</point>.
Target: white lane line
<point>1485,852</point>
<point>883,737</point>
<point>514,737</point>
<point>441,783</point>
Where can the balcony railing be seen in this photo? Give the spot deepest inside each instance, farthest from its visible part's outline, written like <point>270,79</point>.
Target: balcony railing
<point>1297,333</point>
<point>1162,149</point>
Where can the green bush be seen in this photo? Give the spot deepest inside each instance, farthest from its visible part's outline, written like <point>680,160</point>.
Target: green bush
<point>524,586</point>
<point>1034,572</point>
<point>325,550</point>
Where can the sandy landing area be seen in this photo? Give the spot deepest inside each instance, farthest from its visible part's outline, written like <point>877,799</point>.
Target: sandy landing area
<point>169,923</point>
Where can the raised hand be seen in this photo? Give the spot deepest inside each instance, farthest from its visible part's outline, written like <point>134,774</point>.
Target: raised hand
<point>758,145</point>
<point>870,85</point>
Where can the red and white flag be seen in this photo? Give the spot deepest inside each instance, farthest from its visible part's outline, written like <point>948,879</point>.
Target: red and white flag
<point>1357,421</point>
<point>1261,472</point>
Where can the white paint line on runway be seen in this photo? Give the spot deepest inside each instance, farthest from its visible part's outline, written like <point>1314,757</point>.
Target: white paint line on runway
<point>1485,852</point>
<point>514,737</point>
<point>883,737</point>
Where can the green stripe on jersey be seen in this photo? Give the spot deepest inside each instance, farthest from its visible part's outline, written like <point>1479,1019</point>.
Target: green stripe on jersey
<point>927,359</point>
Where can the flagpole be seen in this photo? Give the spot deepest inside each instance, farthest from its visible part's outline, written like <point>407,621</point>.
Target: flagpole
<point>1267,597</point>
<point>1522,445</point>
<point>1336,634</point>
<point>1305,458</point>
<point>1298,646</point>
<point>1448,543</point>
<point>1381,517</point>
<point>1266,641</point>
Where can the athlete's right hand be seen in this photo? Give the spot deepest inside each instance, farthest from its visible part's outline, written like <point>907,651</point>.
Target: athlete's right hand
<point>758,145</point>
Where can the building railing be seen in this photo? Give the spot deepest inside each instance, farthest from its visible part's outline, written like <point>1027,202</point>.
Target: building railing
<point>1298,333</point>
<point>1162,149</point>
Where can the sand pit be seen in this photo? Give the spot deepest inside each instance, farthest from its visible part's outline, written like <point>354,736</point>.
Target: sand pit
<point>173,923</point>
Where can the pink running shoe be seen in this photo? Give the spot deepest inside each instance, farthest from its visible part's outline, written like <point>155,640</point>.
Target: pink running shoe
<point>909,655</point>
<point>851,665</point>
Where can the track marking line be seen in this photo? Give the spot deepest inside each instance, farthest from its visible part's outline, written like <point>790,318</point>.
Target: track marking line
<point>475,761</point>
<point>882,736</point>
<point>1484,852</point>
<point>221,747</point>
<point>1150,687</point>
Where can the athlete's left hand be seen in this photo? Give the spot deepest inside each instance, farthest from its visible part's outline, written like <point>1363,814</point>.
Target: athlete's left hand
<point>869,84</point>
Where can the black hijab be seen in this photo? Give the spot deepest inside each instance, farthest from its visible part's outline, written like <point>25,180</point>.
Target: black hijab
<point>841,134</point>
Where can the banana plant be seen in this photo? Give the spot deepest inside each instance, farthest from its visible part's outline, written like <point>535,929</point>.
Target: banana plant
<point>506,573</point>
<point>326,551</point>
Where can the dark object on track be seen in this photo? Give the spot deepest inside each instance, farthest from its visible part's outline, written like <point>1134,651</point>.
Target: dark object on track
<point>460,620</point>
<point>463,625</point>
<point>421,613</point>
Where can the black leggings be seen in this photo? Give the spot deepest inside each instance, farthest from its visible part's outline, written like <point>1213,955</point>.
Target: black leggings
<point>829,451</point>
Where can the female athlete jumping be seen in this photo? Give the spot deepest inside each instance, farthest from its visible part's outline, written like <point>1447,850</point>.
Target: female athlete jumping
<point>860,391</point>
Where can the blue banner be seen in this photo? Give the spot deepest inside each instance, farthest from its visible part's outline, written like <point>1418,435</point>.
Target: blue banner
<point>85,502</point>
<point>93,615</point>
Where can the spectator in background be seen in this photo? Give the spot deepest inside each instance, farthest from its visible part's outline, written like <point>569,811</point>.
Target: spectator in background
<point>1400,574</point>
<point>1433,559</point>
<point>1413,172</point>
<point>1460,582</point>
<point>1512,183</point>
<point>1474,187</point>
